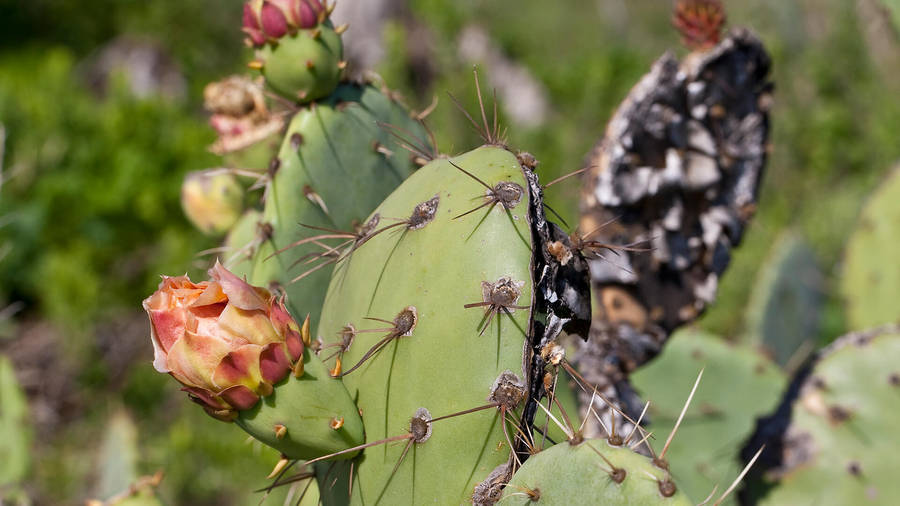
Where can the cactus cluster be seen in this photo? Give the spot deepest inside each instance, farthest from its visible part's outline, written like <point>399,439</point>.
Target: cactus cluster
<point>398,323</point>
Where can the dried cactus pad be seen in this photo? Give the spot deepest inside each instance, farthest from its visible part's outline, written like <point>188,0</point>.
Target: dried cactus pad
<point>871,281</point>
<point>593,472</point>
<point>836,432</point>
<point>432,265</point>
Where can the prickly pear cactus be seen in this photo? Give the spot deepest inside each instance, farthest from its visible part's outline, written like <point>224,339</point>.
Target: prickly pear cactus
<point>592,472</point>
<point>871,270</point>
<point>419,276</point>
<point>444,276</point>
<point>335,165</point>
<point>786,301</point>
<point>833,439</point>
<point>738,385</point>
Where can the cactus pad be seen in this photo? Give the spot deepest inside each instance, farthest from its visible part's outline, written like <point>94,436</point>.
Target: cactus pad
<point>592,472</point>
<point>833,440</point>
<point>786,302</point>
<point>871,281</point>
<point>437,265</point>
<point>738,385</point>
<point>335,165</point>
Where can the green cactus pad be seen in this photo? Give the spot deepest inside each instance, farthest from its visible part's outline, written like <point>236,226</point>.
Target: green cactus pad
<point>444,365</point>
<point>304,66</point>
<point>329,149</point>
<point>840,446</point>
<point>738,385</point>
<point>242,242</point>
<point>871,280</point>
<point>577,474</point>
<point>297,418</point>
<point>786,302</point>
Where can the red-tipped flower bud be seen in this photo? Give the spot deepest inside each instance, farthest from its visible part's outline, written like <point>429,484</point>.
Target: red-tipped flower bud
<point>700,22</point>
<point>226,341</point>
<point>269,20</point>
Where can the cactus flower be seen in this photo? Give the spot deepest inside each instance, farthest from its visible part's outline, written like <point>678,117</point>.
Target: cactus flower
<point>226,341</point>
<point>269,20</point>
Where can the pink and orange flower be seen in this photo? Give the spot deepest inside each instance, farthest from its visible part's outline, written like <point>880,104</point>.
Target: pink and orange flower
<point>226,341</point>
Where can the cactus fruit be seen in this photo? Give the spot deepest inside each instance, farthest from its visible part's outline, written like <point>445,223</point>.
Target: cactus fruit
<point>298,50</point>
<point>786,301</point>
<point>833,439</point>
<point>213,200</point>
<point>871,272</point>
<point>335,165</point>
<point>705,452</point>
<point>15,433</point>
<point>242,357</point>
<point>592,472</point>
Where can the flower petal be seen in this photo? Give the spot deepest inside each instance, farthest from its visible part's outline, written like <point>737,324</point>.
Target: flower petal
<point>193,359</point>
<point>239,367</point>
<point>274,23</point>
<point>239,397</point>
<point>239,292</point>
<point>273,363</point>
<point>251,326</point>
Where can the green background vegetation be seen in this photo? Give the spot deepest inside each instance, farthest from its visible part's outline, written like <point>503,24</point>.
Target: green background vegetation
<point>89,210</point>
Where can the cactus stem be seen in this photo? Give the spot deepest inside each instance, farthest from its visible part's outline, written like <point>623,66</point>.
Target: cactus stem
<point>256,64</point>
<point>280,431</point>
<point>279,466</point>
<point>341,28</point>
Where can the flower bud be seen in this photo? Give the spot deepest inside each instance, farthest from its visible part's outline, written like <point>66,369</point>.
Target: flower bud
<point>212,200</point>
<point>226,341</point>
<point>269,20</point>
<point>699,22</point>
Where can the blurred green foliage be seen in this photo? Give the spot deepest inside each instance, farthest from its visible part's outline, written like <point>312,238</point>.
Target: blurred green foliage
<point>90,183</point>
